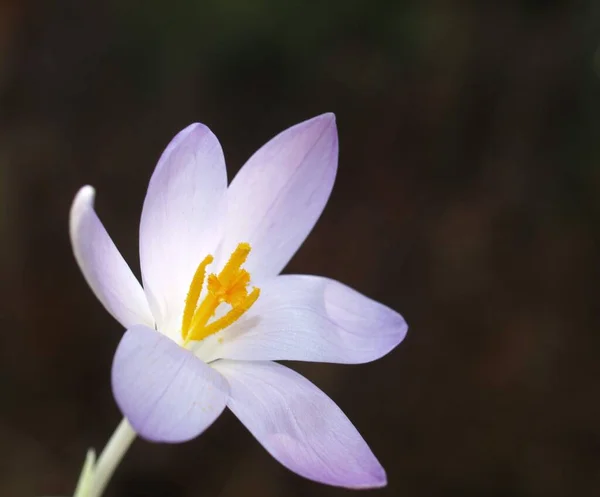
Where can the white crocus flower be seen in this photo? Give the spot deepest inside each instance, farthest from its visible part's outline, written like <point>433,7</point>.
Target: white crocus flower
<point>198,342</point>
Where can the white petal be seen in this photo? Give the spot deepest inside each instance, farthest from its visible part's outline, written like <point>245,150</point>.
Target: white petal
<point>299,425</point>
<point>277,197</point>
<point>310,318</point>
<point>165,392</point>
<point>181,219</point>
<point>102,265</point>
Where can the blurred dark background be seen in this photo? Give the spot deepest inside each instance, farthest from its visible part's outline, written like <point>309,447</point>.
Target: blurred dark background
<point>466,199</point>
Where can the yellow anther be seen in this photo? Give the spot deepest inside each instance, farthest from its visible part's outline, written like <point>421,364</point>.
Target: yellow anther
<point>232,316</point>
<point>232,268</point>
<point>191,301</point>
<point>230,286</point>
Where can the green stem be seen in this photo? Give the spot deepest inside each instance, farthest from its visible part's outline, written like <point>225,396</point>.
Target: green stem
<point>111,456</point>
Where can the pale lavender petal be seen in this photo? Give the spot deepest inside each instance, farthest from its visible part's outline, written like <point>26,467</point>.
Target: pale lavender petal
<point>166,393</point>
<point>103,266</point>
<point>277,197</point>
<point>310,318</point>
<point>299,425</point>
<point>181,219</point>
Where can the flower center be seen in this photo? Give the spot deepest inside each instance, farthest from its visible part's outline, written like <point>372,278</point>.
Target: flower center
<point>230,287</point>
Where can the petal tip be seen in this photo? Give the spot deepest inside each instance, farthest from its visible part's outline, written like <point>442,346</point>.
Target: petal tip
<point>84,198</point>
<point>402,328</point>
<point>395,335</point>
<point>195,131</point>
<point>328,117</point>
<point>379,477</point>
<point>326,120</point>
<point>191,135</point>
<point>85,194</point>
<point>374,477</point>
<point>321,124</point>
<point>197,127</point>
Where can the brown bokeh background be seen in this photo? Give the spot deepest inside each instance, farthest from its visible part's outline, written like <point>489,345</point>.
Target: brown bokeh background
<point>466,199</point>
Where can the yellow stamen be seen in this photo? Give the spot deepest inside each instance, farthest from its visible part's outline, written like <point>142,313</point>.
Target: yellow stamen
<point>232,268</point>
<point>193,295</point>
<point>230,287</point>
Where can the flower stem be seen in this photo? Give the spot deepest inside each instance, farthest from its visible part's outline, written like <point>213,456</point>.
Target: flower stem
<point>111,456</point>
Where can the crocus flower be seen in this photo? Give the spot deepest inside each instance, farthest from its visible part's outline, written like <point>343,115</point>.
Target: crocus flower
<point>214,313</point>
